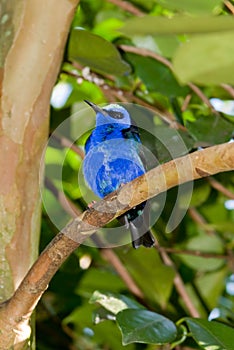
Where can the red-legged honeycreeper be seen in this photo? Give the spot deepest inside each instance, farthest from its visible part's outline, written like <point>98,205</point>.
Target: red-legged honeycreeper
<point>113,158</point>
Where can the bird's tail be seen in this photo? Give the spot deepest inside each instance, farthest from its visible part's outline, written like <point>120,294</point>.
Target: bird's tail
<point>147,239</point>
<point>137,220</point>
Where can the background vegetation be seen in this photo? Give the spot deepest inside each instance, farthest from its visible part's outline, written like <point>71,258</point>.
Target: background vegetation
<point>176,59</point>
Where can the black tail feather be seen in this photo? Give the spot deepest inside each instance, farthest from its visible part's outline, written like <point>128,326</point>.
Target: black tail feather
<point>137,221</point>
<point>147,239</point>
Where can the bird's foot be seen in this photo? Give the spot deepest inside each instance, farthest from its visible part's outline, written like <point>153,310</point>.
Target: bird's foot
<point>90,205</point>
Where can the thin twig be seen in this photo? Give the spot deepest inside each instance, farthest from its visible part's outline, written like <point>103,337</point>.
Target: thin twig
<point>166,116</point>
<point>65,142</point>
<point>186,102</point>
<point>107,253</point>
<point>229,5</point>
<point>126,6</point>
<point>114,95</point>
<point>167,63</point>
<point>112,258</point>
<point>65,202</point>
<point>178,282</point>
<point>219,187</point>
<point>199,219</point>
<point>195,253</point>
<point>229,89</point>
<point>202,96</point>
<point>146,53</point>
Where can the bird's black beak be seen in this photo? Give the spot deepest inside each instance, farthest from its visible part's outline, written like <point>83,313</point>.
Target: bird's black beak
<point>96,108</point>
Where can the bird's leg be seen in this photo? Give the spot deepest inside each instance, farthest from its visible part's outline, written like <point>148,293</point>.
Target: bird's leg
<point>126,223</point>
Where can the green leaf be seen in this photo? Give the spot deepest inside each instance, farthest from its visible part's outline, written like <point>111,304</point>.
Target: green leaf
<point>177,25</point>
<point>156,76</point>
<point>104,333</point>
<point>225,226</point>
<point>211,335</point>
<point>210,130</point>
<point>144,326</point>
<point>203,243</point>
<point>192,60</point>
<point>108,28</point>
<point>200,194</point>
<point>192,6</point>
<point>114,302</point>
<point>166,45</point>
<point>95,52</point>
<point>99,279</point>
<point>146,265</point>
<point>211,286</point>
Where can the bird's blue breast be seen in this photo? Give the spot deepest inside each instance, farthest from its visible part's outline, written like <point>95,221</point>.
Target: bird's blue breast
<point>111,159</point>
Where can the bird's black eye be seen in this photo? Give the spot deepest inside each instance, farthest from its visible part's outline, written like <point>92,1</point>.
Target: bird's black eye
<point>115,114</point>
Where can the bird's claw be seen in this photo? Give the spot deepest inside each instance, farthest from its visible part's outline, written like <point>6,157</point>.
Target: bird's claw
<point>90,205</point>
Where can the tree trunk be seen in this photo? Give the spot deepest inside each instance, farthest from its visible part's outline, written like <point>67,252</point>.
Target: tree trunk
<point>33,37</point>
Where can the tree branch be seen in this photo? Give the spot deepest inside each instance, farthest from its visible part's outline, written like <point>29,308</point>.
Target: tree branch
<point>199,219</point>
<point>195,253</point>
<point>219,187</point>
<point>126,6</point>
<point>229,89</point>
<point>193,166</point>
<point>113,94</point>
<point>107,253</point>
<point>178,282</point>
<point>167,63</point>
<point>38,31</point>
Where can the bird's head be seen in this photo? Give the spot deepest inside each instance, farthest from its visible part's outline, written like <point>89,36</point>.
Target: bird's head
<point>112,113</point>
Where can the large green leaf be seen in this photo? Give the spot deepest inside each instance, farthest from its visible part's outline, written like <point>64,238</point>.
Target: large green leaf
<point>146,265</point>
<point>201,191</point>
<point>210,130</point>
<point>192,6</point>
<point>99,279</point>
<point>177,25</point>
<point>156,76</point>
<point>144,326</point>
<point>206,59</point>
<point>96,52</point>
<point>211,286</point>
<point>211,335</point>
<point>203,243</point>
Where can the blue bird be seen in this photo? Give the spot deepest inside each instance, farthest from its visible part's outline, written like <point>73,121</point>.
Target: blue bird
<point>113,157</point>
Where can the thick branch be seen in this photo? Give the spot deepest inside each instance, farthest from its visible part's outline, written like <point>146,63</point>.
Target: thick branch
<point>39,32</point>
<point>199,164</point>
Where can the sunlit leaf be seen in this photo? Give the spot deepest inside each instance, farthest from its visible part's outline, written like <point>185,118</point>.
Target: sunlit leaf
<point>177,25</point>
<point>97,53</point>
<point>191,61</point>
<point>114,302</point>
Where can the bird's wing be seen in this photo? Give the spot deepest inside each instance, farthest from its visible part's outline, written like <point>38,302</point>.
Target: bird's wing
<point>132,133</point>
